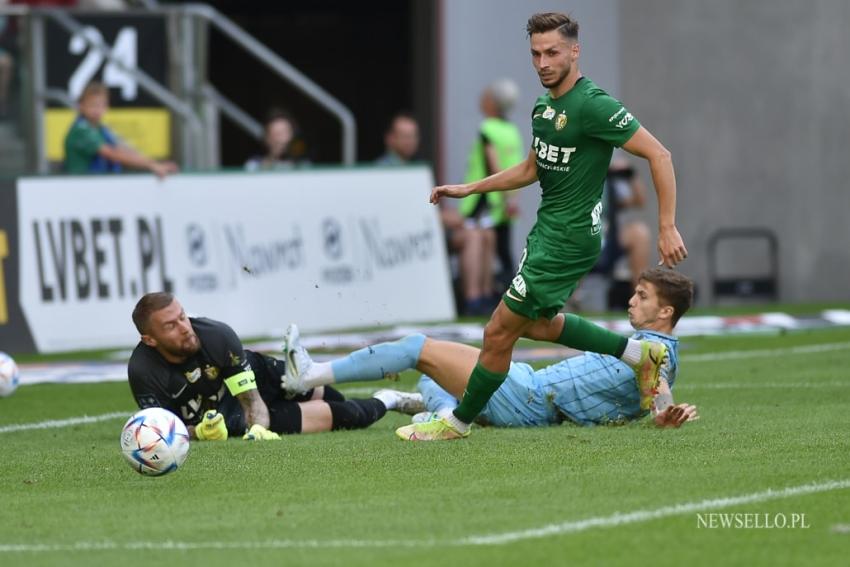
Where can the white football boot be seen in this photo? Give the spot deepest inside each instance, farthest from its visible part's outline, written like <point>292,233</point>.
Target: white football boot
<point>298,362</point>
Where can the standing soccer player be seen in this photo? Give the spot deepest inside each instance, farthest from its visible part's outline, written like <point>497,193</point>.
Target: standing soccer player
<point>575,128</point>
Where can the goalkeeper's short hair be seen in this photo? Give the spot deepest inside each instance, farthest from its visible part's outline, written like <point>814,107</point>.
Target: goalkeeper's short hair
<point>147,305</point>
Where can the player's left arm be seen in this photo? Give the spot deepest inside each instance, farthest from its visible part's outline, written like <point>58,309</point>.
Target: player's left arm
<point>666,414</point>
<point>645,145</point>
<point>241,383</point>
<point>254,408</point>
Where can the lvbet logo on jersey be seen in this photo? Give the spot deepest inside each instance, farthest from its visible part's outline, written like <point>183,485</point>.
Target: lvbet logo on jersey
<point>551,152</point>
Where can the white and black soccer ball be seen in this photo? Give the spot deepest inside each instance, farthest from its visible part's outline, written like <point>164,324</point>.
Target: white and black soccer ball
<point>154,441</point>
<point>9,375</point>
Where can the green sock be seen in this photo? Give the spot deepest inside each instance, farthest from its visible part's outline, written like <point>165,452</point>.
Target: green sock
<point>481,386</point>
<point>581,334</point>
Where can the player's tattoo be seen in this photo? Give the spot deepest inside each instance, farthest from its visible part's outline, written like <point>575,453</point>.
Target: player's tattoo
<point>254,408</point>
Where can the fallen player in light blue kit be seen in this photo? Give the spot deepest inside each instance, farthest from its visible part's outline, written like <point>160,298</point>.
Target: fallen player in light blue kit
<point>587,389</point>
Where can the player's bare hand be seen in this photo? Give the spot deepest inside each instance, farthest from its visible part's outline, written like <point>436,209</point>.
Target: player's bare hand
<point>676,416</point>
<point>671,247</point>
<point>454,191</point>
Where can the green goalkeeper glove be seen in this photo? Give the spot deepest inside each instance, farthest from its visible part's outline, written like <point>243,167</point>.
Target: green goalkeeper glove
<point>212,427</point>
<point>260,433</point>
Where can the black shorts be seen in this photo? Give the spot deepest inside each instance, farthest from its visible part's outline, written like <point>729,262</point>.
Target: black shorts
<point>284,412</point>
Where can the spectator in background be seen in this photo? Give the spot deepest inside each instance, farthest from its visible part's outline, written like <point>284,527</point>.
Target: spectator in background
<point>283,149</point>
<point>401,144</point>
<point>401,140</point>
<point>631,239</point>
<point>91,147</point>
<point>498,146</point>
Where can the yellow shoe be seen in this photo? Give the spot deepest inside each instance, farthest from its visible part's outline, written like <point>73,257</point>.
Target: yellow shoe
<point>438,429</point>
<point>647,371</point>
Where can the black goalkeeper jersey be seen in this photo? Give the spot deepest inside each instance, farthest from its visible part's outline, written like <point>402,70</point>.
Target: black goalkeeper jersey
<point>198,384</point>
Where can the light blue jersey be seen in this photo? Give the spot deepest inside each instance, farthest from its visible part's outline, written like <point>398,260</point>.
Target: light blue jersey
<point>589,389</point>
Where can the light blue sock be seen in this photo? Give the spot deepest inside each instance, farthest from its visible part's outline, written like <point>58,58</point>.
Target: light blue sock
<point>375,362</point>
<point>435,397</point>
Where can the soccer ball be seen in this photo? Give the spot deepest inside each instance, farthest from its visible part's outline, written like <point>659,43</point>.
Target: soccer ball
<point>154,441</point>
<point>9,376</point>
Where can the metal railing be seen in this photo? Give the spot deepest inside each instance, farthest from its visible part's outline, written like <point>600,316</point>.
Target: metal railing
<point>288,72</point>
<point>196,102</point>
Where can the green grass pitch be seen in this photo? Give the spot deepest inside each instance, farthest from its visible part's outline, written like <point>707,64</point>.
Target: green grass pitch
<point>774,416</point>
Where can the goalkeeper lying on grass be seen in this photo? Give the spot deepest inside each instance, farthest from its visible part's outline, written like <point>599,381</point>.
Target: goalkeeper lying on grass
<point>198,369</point>
<point>586,390</point>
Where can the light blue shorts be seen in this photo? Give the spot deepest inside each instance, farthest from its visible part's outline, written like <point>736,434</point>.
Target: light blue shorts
<point>519,402</point>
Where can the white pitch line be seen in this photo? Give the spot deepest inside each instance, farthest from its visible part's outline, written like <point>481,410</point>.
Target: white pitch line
<point>637,516</point>
<point>762,353</point>
<point>54,423</point>
<point>549,530</point>
<point>760,385</point>
<point>86,419</point>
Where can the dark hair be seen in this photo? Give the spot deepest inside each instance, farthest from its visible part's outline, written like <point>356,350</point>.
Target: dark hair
<point>149,303</point>
<point>277,113</point>
<point>548,21</point>
<point>401,114</point>
<point>674,289</point>
<point>94,88</point>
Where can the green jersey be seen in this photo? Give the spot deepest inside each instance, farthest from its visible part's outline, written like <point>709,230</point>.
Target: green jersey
<point>82,144</point>
<point>574,137</point>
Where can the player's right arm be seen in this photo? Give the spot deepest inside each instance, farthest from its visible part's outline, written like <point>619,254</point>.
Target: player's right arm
<point>149,385</point>
<point>520,175</point>
<point>666,414</point>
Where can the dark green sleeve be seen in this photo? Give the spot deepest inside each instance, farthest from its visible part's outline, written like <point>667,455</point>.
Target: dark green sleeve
<point>606,118</point>
<point>85,141</point>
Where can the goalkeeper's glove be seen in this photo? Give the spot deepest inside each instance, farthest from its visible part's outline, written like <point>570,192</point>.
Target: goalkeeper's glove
<point>212,427</point>
<point>260,433</point>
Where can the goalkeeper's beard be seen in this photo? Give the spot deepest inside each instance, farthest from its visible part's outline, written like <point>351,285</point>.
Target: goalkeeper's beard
<point>187,347</point>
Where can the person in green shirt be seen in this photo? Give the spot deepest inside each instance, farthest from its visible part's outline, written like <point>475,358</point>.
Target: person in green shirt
<point>488,217</point>
<point>92,148</point>
<point>575,127</point>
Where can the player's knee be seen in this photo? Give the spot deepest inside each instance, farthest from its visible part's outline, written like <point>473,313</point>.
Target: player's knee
<point>497,336</point>
<point>537,331</point>
<point>412,348</point>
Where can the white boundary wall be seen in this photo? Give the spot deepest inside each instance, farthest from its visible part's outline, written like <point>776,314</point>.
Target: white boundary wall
<point>328,249</point>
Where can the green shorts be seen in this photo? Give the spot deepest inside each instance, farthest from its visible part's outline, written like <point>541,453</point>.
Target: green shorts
<point>549,274</point>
